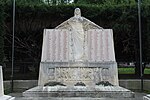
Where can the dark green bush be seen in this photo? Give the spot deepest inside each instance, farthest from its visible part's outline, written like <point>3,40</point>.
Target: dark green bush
<point>54,84</point>
<point>104,83</point>
<point>79,84</point>
<point>1,34</point>
<point>31,19</point>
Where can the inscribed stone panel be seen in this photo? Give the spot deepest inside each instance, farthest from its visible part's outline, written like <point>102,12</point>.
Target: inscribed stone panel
<point>100,45</point>
<point>55,45</point>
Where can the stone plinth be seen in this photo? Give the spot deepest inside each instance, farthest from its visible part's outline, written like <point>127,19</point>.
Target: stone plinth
<point>69,73</point>
<point>147,97</point>
<point>6,97</point>
<point>2,96</point>
<point>1,82</point>
<point>79,91</point>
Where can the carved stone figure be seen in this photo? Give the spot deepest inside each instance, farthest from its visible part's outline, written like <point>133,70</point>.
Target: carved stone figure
<point>77,26</point>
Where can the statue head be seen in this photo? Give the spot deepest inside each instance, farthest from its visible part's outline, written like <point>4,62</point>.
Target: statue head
<point>77,12</point>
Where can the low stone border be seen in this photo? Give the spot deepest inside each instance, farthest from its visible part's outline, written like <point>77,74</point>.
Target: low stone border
<point>147,97</point>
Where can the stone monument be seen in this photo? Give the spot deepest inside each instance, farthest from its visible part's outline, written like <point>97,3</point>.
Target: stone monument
<point>2,96</point>
<point>78,60</point>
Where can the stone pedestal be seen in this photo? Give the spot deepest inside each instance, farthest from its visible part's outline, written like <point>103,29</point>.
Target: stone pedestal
<point>6,97</point>
<point>79,91</point>
<point>69,73</point>
<point>147,97</point>
<point>1,82</point>
<point>2,96</point>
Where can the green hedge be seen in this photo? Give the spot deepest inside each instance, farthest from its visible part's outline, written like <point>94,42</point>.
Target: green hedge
<point>1,33</point>
<point>31,19</point>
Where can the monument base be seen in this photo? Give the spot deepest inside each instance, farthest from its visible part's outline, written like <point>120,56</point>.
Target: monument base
<point>147,97</point>
<point>7,97</point>
<point>79,91</point>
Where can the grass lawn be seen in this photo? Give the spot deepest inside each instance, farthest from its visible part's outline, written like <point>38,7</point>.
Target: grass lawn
<point>147,71</point>
<point>131,71</point>
<point>126,70</point>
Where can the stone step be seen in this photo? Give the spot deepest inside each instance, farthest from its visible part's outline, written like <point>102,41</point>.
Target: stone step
<point>79,91</point>
<point>73,98</point>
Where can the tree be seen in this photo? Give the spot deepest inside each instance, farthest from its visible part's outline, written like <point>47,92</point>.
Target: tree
<point>1,34</point>
<point>27,40</point>
<point>32,19</point>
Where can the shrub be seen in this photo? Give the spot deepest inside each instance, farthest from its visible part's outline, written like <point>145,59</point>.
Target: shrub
<point>31,19</point>
<point>1,33</point>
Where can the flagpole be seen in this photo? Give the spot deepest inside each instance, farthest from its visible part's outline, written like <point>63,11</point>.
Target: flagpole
<point>12,72</point>
<point>140,43</point>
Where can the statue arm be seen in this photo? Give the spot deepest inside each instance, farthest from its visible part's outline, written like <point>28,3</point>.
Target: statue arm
<point>64,25</point>
<point>90,25</point>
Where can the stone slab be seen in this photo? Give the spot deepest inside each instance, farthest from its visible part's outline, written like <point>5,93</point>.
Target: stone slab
<point>18,96</point>
<point>73,98</point>
<point>147,97</point>
<point>2,96</point>
<point>6,97</point>
<point>1,82</point>
<point>79,91</point>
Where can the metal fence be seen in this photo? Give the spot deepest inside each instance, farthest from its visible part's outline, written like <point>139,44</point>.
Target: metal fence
<point>22,70</point>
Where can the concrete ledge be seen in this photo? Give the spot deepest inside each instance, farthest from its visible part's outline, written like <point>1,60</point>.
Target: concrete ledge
<point>147,97</point>
<point>71,98</point>
<point>7,97</point>
<point>20,85</point>
<point>134,84</point>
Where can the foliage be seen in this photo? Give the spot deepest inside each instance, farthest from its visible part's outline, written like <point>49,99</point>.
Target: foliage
<point>79,84</point>
<point>31,19</point>
<point>126,70</point>
<point>104,83</point>
<point>1,34</point>
<point>147,71</point>
<point>132,70</point>
<point>54,84</point>
<point>114,2</point>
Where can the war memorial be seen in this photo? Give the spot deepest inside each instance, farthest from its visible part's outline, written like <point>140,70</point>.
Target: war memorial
<point>78,60</point>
